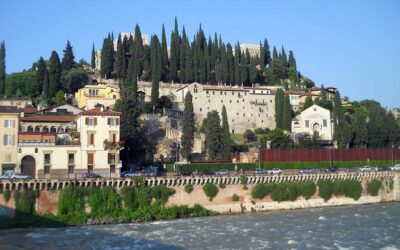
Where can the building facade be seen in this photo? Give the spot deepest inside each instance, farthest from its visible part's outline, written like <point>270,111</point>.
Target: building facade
<point>8,138</point>
<point>16,102</point>
<point>315,119</point>
<point>91,95</point>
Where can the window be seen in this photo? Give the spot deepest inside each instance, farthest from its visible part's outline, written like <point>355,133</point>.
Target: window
<point>71,169</point>
<point>113,121</point>
<point>112,169</point>
<point>222,101</point>
<point>220,93</point>
<point>307,123</point>
<point>325,123</point>
<point>200,109</point>
<point>90,162</point>
<point>233,93</point>
<point>90,138</point>
<point>91,121</point>
<point>111,158</point>
<point>206,91</point>
<point>213,92</point>
<point>8,139</point>
<point>46,169</point>
<point>47,159</point>
<point>113,137</point>
<point>9,123</point>
<point>71,159</point>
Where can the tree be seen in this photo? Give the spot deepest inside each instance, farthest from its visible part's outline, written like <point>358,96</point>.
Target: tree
<point>278,139</point>
<point>54,74</point>
<point>41,70</point>
<point>68,59</point>
<point>58,98</point>
<point>24,82</point>
<point>213,135</point>
<point>174,53</point>
<point>120,58</point>
<point>360,130</point>
<point>137,53</point>
<point>252,71</point>
<point>45,90</point>
<point>188,127</point>
<point>156,68</point>
<point>287,114</point>
<point>93,60</point>
<point>74,79</point>
<point>226,135</point>
<point>2,68</point>
<point>164,52</point>
<point>279,108</point>
<point>307,103</point>
<point>250,136</point>
<point>338,120</point>
<point>107,58</point>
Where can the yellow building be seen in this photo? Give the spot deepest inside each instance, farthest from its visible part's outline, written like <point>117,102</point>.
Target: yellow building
<point>8,138</point>
<point>90,95</point>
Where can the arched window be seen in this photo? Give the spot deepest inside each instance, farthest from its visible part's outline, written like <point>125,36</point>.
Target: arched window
<point>30,129</point>
<point>36,150</point>
<point>45,129</point>
<point>53,130</point>
<point>67,129</point>
<point>60,130</point>
<point>37,129</point>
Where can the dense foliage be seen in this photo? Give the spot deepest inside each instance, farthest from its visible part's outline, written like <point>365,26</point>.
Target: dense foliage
<point>288,191</point>
<point>7,195</point>
<point>188,127</point>
<point>188,188</point>
<point>373,187</point>
<point>349,188</point>
<point>235,197</point>
<point>210,190</point>
<point>25,202</point>
<point>70,201</point>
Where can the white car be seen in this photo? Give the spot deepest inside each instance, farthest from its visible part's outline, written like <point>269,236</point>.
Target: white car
<point>365,169</point>
<point>395,167</point>
<point>274,171</point>
<point>14,176</point>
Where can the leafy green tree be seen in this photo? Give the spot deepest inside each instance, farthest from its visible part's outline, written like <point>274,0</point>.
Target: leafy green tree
<point>339,123</point>
<point>279,108</point>
<point>188,127</point>
<point>93,59</point>
<point>253,71</point>
<point>156,68</point>
<point>226,135</point>
<point>74,79</point>
<point>249,135</point>
<point>360,130</point>
<point>54,74</point>
<point>287,114</point>
<point>278,139</point>
<point>23,82</point>
<point>58,98</point>
<point>2,68</point>
<point>68,60</point>
<point>41,70</point>
<point>213,135</point>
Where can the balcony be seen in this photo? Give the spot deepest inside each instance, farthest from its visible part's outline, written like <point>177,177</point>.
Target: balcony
<point>109,145</point>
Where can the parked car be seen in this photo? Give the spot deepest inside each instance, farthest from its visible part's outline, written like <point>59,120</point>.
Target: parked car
<point>274,171</point>
<point>222,172</point>
<point>205,172</point>
<point>365,169</point>
<point>15,176</point>
<point>151,171</point>
<point>134,174</point>
<point>260,171</point>
<point>91,175</point>
<point>124,173</point>
<point>383,168</point>
<point>396,167</point>
<point>307,171</point>
<point>185,173</point>
<point>351,169</point>
<point>332,169</point>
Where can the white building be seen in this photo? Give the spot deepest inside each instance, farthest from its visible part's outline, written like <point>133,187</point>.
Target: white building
<point>315,119</point>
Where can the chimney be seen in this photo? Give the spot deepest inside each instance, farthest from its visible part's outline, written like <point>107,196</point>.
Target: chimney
<point>101,109</point>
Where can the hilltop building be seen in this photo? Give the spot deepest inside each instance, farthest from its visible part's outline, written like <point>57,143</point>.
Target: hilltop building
<point>91,95</point>
<point>16,102</point>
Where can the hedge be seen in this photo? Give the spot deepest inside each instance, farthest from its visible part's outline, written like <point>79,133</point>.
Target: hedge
<point>192,167</point>
<point>288,191</point>
<point>373,187</point>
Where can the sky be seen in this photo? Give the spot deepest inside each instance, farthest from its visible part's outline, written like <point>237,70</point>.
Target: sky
<point>351,45</point>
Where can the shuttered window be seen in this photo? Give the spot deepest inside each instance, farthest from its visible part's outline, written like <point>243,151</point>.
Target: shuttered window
<point>90,158</point>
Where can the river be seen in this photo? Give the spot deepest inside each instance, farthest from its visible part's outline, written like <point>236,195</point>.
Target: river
<point>375,226</point>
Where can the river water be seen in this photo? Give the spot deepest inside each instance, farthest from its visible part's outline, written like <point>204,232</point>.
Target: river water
<point>375,226</point>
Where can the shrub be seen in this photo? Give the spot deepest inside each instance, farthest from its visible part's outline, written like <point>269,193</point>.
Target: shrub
<point>325,189</point>
<point>349,188</point>
<point>129,196</point>
<point>259,191</point>
<point>221,185</point>
<point>25,203</point>
<point>280,193</point>
<point>188,188</point>
<point>373,187</point>
<point>198,211</point>
<point>162,193</point>
<point>306,189</point>
<point>243,181</point>
<point>7,195</point>
<point>210,190</point>
<point>235,197</point>
<point>104,202</point>
<point>70,201</point>
<point>292,191</point>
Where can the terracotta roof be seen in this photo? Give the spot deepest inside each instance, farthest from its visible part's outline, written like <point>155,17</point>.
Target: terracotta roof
<point>100,111</point>
<point>8,109</point>
<point>49,118</point>
<point>29,110</point>
<point>224,88</point>
<point>16,99</point>
<point>294,92</point>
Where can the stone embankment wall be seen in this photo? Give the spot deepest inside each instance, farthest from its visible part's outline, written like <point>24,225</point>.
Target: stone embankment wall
<point>47,202</point>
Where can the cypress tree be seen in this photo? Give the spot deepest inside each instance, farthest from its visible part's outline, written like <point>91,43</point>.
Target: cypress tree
<point>182,54</point>
<point>208,67</point>
<point>129,90</point>
<point>213,135</point>
<point>284,57</point>
<point>54,74</point>
<point>274,54</point>
<point>202,67</point>
<point>164,52</point>
<point>2,68</point>
<point>244,67</point>
<point>45,89</point>
<point>252,71</point>
<point>231,68</point>
<point>292,61</point>
<point>267,53</point>
<point>224,65</point>
<point>279,108</point>
<point>287,114</point>
<point>218,71</point>
<point>226,136</point>
<point>156,68</point>
<point>188,127</point>
<point>237,61</point>
<point>137,52</point>
<point>189,77</point>
<point>360,130</point>
<point>93,61</point>
<point>338,121</point>
<point>262,57</point>
<point>214,52</point>
<point>68,59</point>
<point>107,58</point>
<point>145,61</point>
<point>40,74</point>
<point>174,53</point>
<point>119,58</point>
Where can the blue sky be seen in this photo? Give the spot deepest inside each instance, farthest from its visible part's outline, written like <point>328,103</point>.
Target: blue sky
<point>352,45</point>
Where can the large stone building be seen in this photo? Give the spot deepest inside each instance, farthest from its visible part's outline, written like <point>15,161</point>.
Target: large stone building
<point>92,147</point>
<point>16,102</point>
<point>8,138</point>
<point>247,107</point>
<point>315,119</point>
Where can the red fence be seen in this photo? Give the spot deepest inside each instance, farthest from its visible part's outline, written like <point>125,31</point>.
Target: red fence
<point>301,155</point>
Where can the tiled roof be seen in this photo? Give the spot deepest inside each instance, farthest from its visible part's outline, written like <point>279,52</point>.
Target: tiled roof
<point>100,111</point>
<point>48,118</point>
<point>8,109</point>
<point>29,110</point>
<point>294,92</point>
<point>224,88</point>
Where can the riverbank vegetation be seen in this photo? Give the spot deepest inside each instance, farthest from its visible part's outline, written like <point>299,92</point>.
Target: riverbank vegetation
<point>348,188</point>
<point>288,191</point>
<point>373,187</point>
